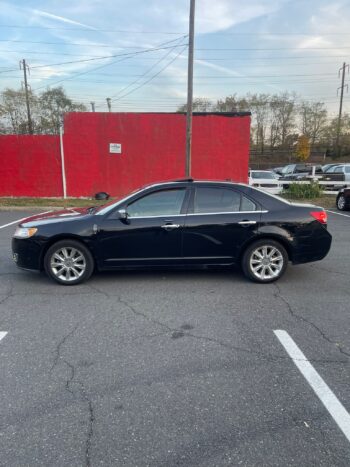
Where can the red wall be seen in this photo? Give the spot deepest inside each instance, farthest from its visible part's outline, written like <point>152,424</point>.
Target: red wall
<point>153,149</point>
<point>30,166</point>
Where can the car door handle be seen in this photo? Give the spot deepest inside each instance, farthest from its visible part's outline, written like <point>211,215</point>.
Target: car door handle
<point>247,222</point>
<point>170,226</point>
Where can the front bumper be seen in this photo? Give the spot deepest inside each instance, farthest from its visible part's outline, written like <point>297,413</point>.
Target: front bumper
<point>26,253</point>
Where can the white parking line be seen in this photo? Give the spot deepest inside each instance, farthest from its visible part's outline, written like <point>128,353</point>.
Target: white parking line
<point>19,220</point>
<point>2,335</point>
<point>338,213</point>
<point>322,390</point>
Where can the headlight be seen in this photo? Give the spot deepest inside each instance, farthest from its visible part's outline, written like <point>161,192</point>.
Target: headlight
<point>24,232</point>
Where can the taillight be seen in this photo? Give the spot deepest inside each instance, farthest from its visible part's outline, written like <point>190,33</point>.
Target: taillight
<point>320,216</point>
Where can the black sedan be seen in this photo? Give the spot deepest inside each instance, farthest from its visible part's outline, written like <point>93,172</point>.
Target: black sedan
<point>343,199</point>
<point>182,223</point>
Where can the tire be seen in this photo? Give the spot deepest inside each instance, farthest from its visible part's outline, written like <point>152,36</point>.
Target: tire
<point>265,273</point>
<point>68,262</point>
<point>341,203</point>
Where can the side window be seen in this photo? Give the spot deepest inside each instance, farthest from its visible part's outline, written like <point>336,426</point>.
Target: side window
<point>338,170</point>
<point>212,200</point>
<point>160,203</point>
<point>247,204</point>
<point>347,169</point>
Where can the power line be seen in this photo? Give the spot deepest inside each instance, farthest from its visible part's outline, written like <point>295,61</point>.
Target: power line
<point>253,33</point>
<point>91,30</point>
<point>146,72</point>
<point>109,64</point>
<point>79,44</point>
<point>279,48</point>
<point>152,77</point>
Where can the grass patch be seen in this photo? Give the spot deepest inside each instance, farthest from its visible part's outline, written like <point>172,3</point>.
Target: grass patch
<point>50,202</point>
<point>308,191</point>
<point>326,201</point>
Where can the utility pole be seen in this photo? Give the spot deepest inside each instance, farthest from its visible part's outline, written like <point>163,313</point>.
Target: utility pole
<point>109,104</point>
<point>92,106</point>
<point>25,67</point>
<point>343,85</point>
<point>190,90</point>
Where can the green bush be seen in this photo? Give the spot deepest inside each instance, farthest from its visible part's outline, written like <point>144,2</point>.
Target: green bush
<point>301,191</point>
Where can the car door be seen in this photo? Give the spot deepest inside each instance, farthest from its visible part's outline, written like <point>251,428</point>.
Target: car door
<point>219,221</point>
<point>347,173</point>
<point>151,234</point>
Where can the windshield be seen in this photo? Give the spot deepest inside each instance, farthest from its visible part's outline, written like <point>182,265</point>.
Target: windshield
<point>263,175</point>
<point>332,169</point>
<point>106,207</point>
<point>287,169</point>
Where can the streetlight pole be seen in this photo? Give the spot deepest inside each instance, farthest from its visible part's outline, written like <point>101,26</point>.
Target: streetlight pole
<point>190,90</point>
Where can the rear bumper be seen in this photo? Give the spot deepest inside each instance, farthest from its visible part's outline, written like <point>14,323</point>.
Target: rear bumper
<point>26,253</point>
<point>313,248</point>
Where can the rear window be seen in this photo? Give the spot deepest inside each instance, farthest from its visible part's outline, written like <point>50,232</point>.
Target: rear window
<point>262,175</point>
<point>216,200</point>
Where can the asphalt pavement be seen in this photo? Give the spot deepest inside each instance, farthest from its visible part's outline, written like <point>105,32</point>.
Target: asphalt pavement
<point>168,369</point>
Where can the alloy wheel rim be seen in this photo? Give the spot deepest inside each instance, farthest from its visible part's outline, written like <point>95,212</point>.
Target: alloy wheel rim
<point>68,264</point>
<point>266,262</point>
<point>341,202</point>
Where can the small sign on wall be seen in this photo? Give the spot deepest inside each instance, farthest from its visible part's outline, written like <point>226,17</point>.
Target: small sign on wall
<point>115,148</point>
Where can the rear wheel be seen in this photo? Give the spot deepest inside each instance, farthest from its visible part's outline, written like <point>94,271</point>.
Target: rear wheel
<point>341,203</point>
<point>265,261</point>
<point>68,262</point>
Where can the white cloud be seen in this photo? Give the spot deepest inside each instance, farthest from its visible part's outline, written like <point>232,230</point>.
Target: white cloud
<point>60,18</point>
<point>223,14</point>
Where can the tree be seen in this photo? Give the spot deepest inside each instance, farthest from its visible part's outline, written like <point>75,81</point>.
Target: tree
<point>13,111</point>
<point>259,104</point>
<point>199,104</point>
<point>46,111</point>
<point>54,103</point>
<point>283,114</point>
<point>313,120</point>
<point>303,148</point>
<point>331,132</point>
<point>232,104</point>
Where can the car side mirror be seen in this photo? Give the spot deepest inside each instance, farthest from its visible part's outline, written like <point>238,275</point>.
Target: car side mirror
<point>122,214</point>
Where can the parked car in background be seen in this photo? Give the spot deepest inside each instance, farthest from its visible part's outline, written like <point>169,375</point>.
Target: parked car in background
<point>266,180</point>
<point>277,170</point>
<point>182,223</point>
<point>328,166</point>
<point>343,169</point>
<point>299,171</point>
<point>343,199</point>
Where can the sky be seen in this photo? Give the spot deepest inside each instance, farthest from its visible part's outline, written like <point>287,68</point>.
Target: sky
<point>135,51</point>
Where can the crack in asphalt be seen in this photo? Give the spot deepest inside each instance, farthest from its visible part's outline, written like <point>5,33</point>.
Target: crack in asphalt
<point>59,346</point>
<point>328,270</point>
<point>176,333</point>
<point>81,391</point>
<point>8,294</point>
<point>300,317</point>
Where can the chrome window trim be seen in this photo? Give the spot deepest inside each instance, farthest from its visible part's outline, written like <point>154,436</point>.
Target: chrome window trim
<point>164,216</point>
<point>198,214</point>
<point>123,200</point>
<point>113,206</point>
<point>225,212</point>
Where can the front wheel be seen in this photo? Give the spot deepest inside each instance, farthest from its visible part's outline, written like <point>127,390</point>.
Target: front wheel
<point>68,262</point>
<point>264,261</point>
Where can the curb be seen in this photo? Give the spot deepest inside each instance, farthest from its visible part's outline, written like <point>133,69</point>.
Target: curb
<point>31,208</point>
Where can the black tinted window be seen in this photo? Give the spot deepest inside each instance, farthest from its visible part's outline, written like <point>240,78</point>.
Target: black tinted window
<point>160,203</point>
<point>211,200</point>
<point>247,204</point>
